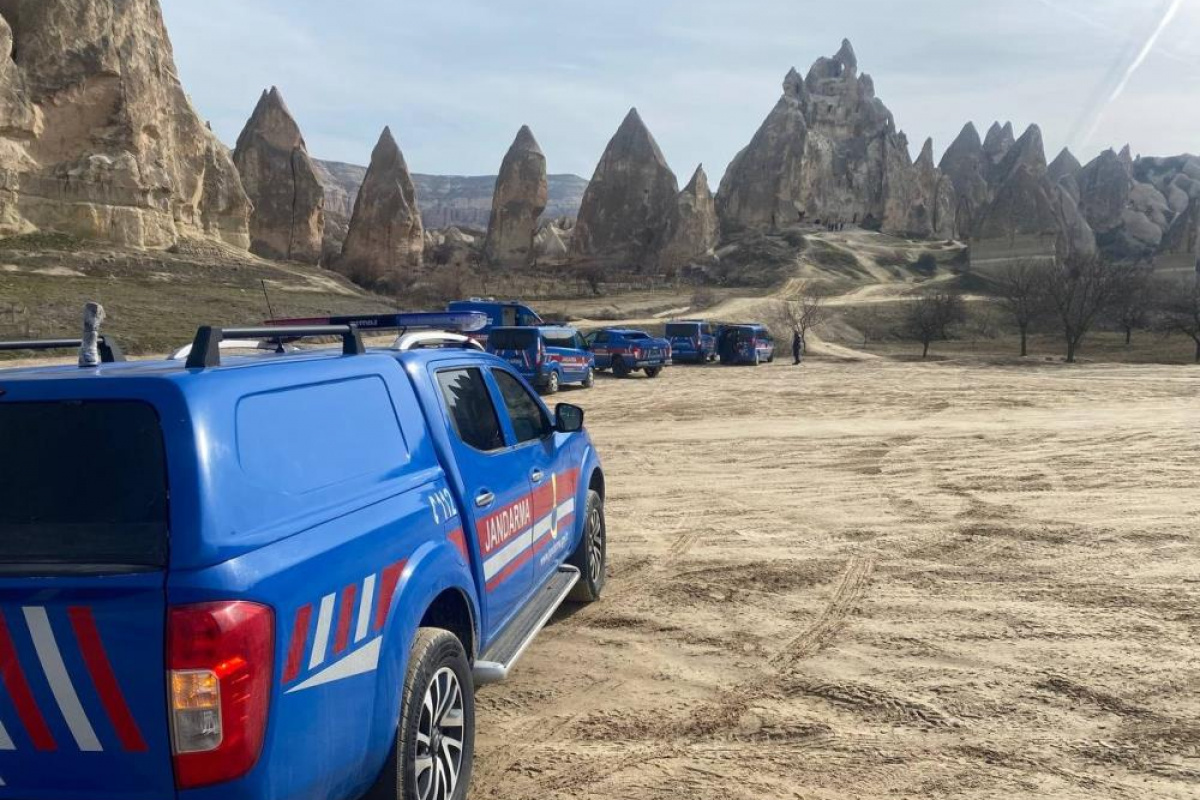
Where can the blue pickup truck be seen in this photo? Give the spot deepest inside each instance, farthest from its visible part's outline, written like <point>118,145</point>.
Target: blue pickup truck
<point>626,351</point>
<point>277,576</point>
<point>548,356</point>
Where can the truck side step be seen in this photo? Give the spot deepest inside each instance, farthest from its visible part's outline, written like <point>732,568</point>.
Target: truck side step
<point>494,665</point>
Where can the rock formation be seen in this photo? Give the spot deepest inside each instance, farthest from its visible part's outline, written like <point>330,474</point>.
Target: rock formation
<point>385,238</point>
<point>1025,203</point>
<point>288,221</point>
<point>553,240</point>
<point>98,138</point>
<point>693,230</point>
<point>522,191</point>
<point>629,203</point>
<point>829,152</point>
<point>966,166</point>
<point>1064,165</point>
<point>1130,217</point>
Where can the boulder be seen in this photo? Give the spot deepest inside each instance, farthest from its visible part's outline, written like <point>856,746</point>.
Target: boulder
<point>522,191</point>
<point>552,242</point>
<point>693,230</point>
<point>98,138</point>
<point>385,240</point>
<point>288,221</point>
<point>1183,235</point>
<point>629,202</point>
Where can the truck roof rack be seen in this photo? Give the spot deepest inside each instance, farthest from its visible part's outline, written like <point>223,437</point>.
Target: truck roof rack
<point>206,347</point>
<point>110,353</point>
<point>452,321</point>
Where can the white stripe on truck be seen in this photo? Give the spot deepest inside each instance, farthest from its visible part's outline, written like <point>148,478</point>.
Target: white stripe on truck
<point>321,643</point>
<point>364,609</point>
<point>59,680</point>
<point>6,742</point>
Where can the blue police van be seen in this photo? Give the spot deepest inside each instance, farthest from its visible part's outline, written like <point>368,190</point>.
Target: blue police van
<point>693,341</point>
<point>277,576</point>
<point>500,314</point>
<point>548,356</point>
<point>746,344</point>
<point>626,351</point>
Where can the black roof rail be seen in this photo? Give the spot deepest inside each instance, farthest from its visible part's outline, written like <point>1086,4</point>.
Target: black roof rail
<point>206,347</point>
<point>110,353</point>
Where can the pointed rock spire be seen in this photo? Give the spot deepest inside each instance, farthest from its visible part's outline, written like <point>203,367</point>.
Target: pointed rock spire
<point>1063,165</point>
<point>925,160</point>
<point>693,230</point>
<point>628,204</point>
<point>522,191</point>
<point>1126,155</point>
<point>288,221</point>
<point>386,238</point>
<point>1028,152</point>
<point>846,57</point>
<point>998,142</point>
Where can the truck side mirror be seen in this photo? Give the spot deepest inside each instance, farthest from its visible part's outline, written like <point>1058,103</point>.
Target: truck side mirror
<point>568,418</point>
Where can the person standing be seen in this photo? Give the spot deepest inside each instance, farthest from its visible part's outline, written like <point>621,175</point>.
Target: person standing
<point>797,347</point>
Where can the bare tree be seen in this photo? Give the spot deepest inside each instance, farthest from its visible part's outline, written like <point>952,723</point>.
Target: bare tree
<point>1179,309</point>
<point>1021,288</point>
<point>1079,291</point>
<point>1131,308</point>
<point>807,312</point>
<point>931,317</point>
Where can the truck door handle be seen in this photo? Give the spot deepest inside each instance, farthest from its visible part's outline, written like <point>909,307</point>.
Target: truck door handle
<point>484,499</point>
<point>537,475</point>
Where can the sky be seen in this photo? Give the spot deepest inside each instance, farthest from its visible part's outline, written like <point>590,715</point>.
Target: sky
<point>455,79</point>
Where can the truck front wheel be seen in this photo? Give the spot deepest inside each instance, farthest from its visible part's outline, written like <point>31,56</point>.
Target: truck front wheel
<point>435,744</point>
<point>591,556</point>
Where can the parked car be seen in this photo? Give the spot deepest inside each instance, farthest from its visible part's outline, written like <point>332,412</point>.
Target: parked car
<point>626,351</point>
<point>746,344</point>
<point>276,577</point>
<point>500,314</point>
<point>693,341</point>
<point>549,357</point>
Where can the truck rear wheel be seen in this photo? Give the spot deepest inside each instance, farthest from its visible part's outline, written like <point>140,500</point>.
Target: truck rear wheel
<point>589,380</point>
<point>591,556</point>
<point>552,385</point>
<point>653,372</point>
<point>620,368</point>
<point>435,744</point>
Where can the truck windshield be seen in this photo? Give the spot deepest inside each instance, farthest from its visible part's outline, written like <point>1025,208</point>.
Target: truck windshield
<point>512,340</point>
<point>564,340</point>
<point>83,485</point>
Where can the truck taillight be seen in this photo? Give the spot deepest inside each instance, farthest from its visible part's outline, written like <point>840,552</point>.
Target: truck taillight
<point>220,658</point>
<point>541,353</point>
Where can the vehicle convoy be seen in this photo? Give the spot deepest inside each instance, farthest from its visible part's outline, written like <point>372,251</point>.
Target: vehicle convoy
<point>548,356</point>
<point>626,351</point>
<point>746,344</point>
<point>277,576</point>
<point>692,341</point>
<point>500,314</point>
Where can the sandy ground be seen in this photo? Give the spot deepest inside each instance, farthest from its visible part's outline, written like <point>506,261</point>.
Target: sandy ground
<point>876,580</point>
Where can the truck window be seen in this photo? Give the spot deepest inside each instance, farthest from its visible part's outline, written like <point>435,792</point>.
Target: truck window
<point>508,316</point>
<point>563,340</point>
<point>83,486</point>
<point>528,419</point>
<point>681,331</point>
<point>512,340</point>
<point>470,407</point>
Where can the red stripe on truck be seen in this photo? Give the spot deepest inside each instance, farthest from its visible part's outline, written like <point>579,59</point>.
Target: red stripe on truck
<point>345,613</point>
<point>383,603</point>
<point>105,681</point>
<point>299,644</point>
<point>18,690</point>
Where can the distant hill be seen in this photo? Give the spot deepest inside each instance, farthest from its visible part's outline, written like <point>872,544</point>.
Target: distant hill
<point>445,200</point>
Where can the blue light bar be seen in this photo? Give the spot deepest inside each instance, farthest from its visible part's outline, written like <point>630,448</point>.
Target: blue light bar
<point>457,321</point>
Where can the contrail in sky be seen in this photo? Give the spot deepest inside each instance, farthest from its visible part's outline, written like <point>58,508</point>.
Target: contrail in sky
<point>1135,65</point>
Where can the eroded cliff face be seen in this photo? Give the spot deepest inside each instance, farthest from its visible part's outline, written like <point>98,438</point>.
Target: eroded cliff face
<point>829,152</point>
<point>288,221</point>
<point>693,230</point>
<point>629,202</point>
<point>98,138</point>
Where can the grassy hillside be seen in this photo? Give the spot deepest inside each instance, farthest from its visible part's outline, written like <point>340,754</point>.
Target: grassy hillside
<point>156,300</point>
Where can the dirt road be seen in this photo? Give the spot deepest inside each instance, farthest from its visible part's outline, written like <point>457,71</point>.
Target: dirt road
<point>877,580</point>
